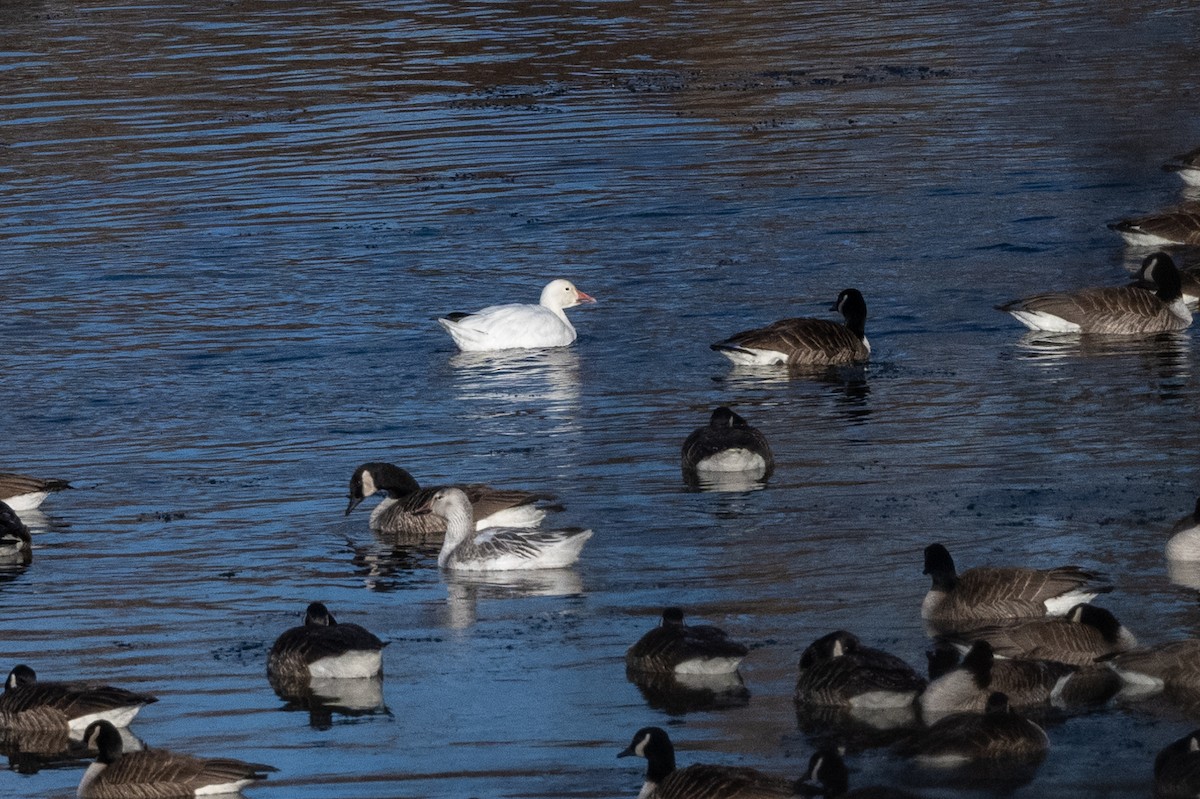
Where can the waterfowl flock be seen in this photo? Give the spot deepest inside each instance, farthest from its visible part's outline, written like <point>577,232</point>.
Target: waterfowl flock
<point>1007,643</point>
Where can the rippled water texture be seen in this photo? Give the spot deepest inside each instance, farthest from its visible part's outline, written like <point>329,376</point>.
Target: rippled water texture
<point>226,229</point>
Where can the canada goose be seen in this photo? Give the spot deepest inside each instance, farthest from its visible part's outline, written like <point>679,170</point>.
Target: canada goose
<point>1189,281</point>
<point>965,687</point>
<point>805,342</point>
<point>498,548</point>
<point>838,670</point>
<point>1184,543</point>
<point>22,492</point>
<point>1172,666</point>
<point>1114,310</point>
<point>157,773</point>
<point>16,545</point>
<point>728,443</point>
<point>1084,634</point>
<point>828,776</point>
<point>960,738</point>
<point>1187,166</point>
<point>518,326</point>
<point>397,513</point>
<point>1178,225</point>
<point>322,648</point>
<point>28,704</point>
<point>664,781</point>
<point>680,648</point>
<point>991,593</point>
<point>1177,769</point>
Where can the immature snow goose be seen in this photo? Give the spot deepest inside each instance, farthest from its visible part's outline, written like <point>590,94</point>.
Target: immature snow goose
<point>675,647</point>
<point>1187,166</point>
<point>29,704</point>
<point>498,548</point>
<point>837,670</point>
<point>1177,769</point>
<point>1111,310</point>
<point>1179,225</point>
<point>157,773</point>
<point>728,443</point>
<point>805,342</point>
<point>1184,543</point>
<point>22,492</point>
<point>961,738</point>
<point>397,513</point>
<point>1087,632</point>
<point>700,781</point>
<point>322,648</point>
<point>518,326</point>
<point>991,593</point>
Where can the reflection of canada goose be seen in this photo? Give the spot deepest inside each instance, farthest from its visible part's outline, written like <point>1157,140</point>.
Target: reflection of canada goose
<point>1184,543</point>
<point>999,733</point>
<point>985,592</point>
<point>1179,225</point>
<point>22,492</point>
<point>664,781</point>
<point>674,646</point>
<point>1084,634</point>
<point>323,648</point>
<point>1177,769</point>
<point>828,776</point>
<point>16,545</point>
<point>1173,666</point>
<point>518,326</point>
<point>837,669</point>
<point>1187,166</point>
<point>498,548</point>
<point>157,773</point>
<point>728,443</point>
<point>397,513</point>
<point>805,342</point>
<point>1115,310</point>
<point>28,704</point>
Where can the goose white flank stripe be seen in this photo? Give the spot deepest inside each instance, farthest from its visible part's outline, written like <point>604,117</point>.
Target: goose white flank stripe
<point>158,773</point>
<point>960,738</point>
<point>22,492</point>
<point>701,781</point>
<point>1184,543</point>
<point>1179,225</point>
<point>804,341</point>
<point>29,704</point>
<point>728,443</point>
<point>517,326</point>
<point>322,648</point>
<point>1187,166</point>
<point>397,513</point>
<point>679,648</point>
<point>498,548</point>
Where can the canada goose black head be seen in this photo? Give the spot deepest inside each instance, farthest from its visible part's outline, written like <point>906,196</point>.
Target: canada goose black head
<point>371,478</point>
<point>672,617</point>
<point>20,676</point>
<point>827,775</point>
<point>997,705</point>
<point>979,660</point>
<point>105,739</point>
<point>827,647</point>
<point>317,615</point>
<point>654,744</point>
<point>1098,618</point>
<point>1160,270</point>
<point>940,566</point>
<point>851,305</point>
<point>724,417</point>
<point>942,659</point>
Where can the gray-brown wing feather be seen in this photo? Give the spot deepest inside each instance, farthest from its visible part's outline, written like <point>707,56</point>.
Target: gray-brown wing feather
<point>1181,225</point>
<point>838,680</point>
<point>805,342</point>
<point>1177,664</point>
<point>1026,682</point>
<point>1115,309</point>
<point>663,648</point>
<point>401,518</point>
<point>703,781</point>
<point>158,774</point>
<point>14,485</point>
<point>49,705</point>
<point>1047,639</point>
<point>997,593</point>
<point>708,441</point>
<point>526,544</point>
<point>976,736</point>
<point>486,500</point>
<point>298,647</point>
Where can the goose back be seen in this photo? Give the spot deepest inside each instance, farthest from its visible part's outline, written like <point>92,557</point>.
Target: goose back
<point>1177,769</point>
<point>1179,225</point>
<point>837,670</point>
<point>727,443</point>
<point>29,704</point>
<point>323,648</point>
<point>22,492</point>
<point>805,341</point>
<point>960,738</point>
<point>676,647</point>
<point>1087,632</point>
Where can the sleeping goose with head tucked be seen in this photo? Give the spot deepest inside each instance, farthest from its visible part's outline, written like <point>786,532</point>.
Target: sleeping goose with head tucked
<point>728,443</point>
<point>498,548</point>
<point>837,670</point>
<point>322,648</point>
<point>678,648</point>
<point>804,341</point>
<point>1084,634</point>
<point>29,704</point>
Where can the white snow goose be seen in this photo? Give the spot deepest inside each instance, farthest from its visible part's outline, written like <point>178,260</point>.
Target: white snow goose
<point>518,326</point>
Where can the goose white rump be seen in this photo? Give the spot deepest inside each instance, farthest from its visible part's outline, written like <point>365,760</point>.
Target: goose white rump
<point>519,326</point>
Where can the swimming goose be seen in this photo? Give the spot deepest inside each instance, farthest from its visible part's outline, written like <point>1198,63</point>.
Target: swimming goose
<point>1113,310</point>
<point>28,704</point>
<point>1184,543</point>
<point>498,548</point>
<point>837,670</point>
<point>986,593</point>
<point>664,781</point>
<point>828,776</point>
<point>728,444</point>
<point>517,326</point>
<point>15,541</point>
<point>1173,666</point>
<point>1177,769</point>
<point>157,773</point>
<point>1179,225</point>
<point>1084,634</point>
<point>961,738</point>
<point>1187,165</point>
<point>322,648</point>
<point>805,342</point>
<point>675,647</point>
<point>397,513</point>
<point>22,492</point>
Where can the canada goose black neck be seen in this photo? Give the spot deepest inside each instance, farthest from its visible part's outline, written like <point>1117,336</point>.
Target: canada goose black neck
<point>827,775</point>
<point>942,659</point>
<point>940,567</point>
<point>979,661</point>
<point>724,417</point>
<point>318,615</point>
<point>653,744</point>
<point>853,307</point>
<point>1196,512</point>
<point>672,617</point>
<point>376,476</point>
<point>1160,269</point>
<point>1102,620</point>
<point>104,738</point>
<point>20,676</point>
<point>997,705</point>
<point>827,647</point>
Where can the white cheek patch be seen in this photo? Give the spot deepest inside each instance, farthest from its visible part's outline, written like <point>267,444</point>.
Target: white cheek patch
<point>368,484</point>
<point>838,651</point>
<point>640,749</point>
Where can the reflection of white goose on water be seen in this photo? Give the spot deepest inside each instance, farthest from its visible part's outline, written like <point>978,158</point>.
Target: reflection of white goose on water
<point>499,548</point>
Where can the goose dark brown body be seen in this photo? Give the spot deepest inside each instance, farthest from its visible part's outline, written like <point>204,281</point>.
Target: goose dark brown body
<point>1084,634</point>
<point>702,781</point>
<point>674,646</point>
<point>805,341</point>
<point>837,670</point>
<point>320,638</point>
<point>29,704</point>
<point>1179,225</point>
